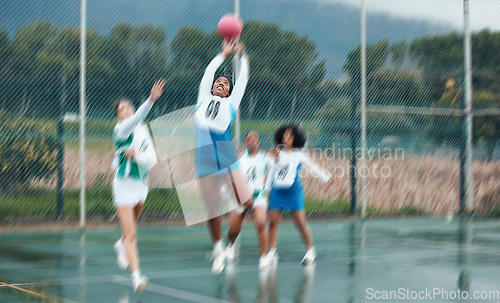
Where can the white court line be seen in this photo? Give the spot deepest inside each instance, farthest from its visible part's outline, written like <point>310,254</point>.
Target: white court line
<point>155,275</point>
<point>244,268</point>
<point>193,255</point>
<point>194,236</point>
<point>205,271</point>
<point>173,292</point>
<point>18,284</point>
<point>198,255</point>
<point>455,247</point>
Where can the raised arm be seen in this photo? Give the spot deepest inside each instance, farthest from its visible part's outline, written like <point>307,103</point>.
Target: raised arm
<point>208,76</point>
<point>269,181</point>
<point>241,82</point>
<point>125,127</point>
<point>269,165</point>
<point>317,172</point>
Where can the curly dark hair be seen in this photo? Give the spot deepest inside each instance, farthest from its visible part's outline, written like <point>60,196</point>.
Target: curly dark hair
<point>299,139</point>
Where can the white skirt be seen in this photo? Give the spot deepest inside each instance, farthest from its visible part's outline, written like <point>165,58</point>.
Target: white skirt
<point>129,192</point>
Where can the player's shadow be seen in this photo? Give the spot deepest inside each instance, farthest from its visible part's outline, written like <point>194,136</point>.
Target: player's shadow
<point>463,259</point>
<point>126,297</point>
<point>267,289</point>
<point>304,287</point>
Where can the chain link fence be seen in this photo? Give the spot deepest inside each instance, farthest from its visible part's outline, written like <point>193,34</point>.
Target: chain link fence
<point>304,69</point>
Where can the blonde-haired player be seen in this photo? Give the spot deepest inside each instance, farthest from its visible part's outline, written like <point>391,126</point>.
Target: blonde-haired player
<point>134,156</point>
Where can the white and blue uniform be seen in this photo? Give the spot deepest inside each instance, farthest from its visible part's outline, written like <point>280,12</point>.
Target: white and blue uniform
<point>255,168</point>
<point>284,179</point>
<point>129,184</point>
<point>214,118</point>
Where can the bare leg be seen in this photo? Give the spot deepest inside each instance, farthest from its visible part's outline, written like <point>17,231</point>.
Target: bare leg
<point>235,223</point>
<point>301,224</point>
<point>129,228</point>
<point>241,189</point>
<point>137,210</point>
<point>210,190</point>
<point>259,216</point>
<point>215,227</point>
<point>274,221</point>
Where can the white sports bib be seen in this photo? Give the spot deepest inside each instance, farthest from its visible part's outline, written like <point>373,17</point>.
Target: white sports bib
<point>143,145</point>
<point>215,114</point>
<point>255,169</point>
<point>286,170</point>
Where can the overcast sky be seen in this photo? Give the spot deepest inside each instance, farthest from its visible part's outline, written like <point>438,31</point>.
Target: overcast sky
<point>483,13</point>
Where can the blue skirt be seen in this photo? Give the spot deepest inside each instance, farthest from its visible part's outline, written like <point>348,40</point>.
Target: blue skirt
<point>216,157</point>
<point>290,199</point>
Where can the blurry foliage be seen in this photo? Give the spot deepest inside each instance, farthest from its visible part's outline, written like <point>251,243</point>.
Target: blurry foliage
<point>27,152</point>
<point>426,72</point>
<point>288,79</point>
<point>285,68</point>
<point>40,202</point>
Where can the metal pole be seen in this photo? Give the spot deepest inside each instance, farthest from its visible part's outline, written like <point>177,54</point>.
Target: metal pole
<point>354,143</point>
<point>83,29</point>
<point>236,70</point>
<point>469,189</point>
<point>355,87</point>
<point>363,109</point>
<point>60,137</point>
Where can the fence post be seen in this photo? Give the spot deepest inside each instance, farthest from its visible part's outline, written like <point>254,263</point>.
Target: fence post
<point>60,138</point>
<point>83,29</point>
<point>466,161</point>
<point>354,142</point>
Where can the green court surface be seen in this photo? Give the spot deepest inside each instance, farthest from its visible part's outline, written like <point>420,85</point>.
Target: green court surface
<point>396,260</point>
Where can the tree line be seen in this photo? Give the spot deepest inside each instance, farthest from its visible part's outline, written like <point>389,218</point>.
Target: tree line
<point>425,73</point>
<point>288,77</point>
<point>41,62</point>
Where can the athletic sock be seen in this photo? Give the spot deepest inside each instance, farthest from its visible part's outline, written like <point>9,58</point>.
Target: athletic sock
<point>218,245</point>
<point>136,274</point>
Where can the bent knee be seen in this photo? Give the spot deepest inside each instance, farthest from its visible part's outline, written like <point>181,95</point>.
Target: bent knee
<point>260,224</point>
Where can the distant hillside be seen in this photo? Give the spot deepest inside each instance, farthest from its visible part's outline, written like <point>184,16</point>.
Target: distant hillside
<point>333,26</point>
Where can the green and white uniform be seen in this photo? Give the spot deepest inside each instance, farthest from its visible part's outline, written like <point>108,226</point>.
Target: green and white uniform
<point>130,182</point>
<point>255,168</point>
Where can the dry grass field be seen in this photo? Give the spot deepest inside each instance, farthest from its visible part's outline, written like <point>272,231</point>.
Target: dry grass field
<point>429,183</point>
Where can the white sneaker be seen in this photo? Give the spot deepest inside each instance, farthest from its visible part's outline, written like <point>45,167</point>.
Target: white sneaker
<point>309,257</point>
<point>121,256</point>
<point>273,257</point>
<point>230,253</point>
<point>219,257</point>
<point>139,283</point>
<point>264,262</point>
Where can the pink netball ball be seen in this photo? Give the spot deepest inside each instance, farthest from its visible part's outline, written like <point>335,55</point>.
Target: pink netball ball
<point>230,26</point>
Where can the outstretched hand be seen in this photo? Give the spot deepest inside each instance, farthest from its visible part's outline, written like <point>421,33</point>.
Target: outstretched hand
<point>232,46</point>
<point>157,90</point>
<point>274,153</point>
<point>239,48</point>
<point>228,47</point>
